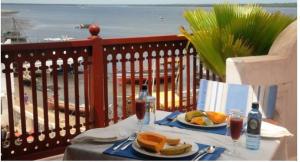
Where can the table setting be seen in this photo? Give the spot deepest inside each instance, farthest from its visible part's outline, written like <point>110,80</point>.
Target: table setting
<point>135,151</point>
<point>195,135</point>
<point>98,144</point>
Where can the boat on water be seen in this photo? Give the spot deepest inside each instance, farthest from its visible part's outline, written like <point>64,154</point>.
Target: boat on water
<point>83,26</point>
<point>63,38</point>
<point>13,36</point>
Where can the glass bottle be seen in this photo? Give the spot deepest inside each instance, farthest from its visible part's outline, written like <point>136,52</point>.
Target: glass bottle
<point>253,128</point>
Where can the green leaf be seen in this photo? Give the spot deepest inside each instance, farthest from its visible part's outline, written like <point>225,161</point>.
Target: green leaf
<point>231,30</point>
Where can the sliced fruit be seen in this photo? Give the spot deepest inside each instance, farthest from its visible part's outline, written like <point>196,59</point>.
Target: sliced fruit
<point>198,121</point>
<point>208,122</point>
<point>191,114</point>
<point>216,117</point>
<point>151,141</point>
<point>177,150</point>
<point>173,141</point>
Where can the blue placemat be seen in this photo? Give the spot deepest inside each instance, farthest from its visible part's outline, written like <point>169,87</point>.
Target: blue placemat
<point>166,121</point>
<point>131,153</point>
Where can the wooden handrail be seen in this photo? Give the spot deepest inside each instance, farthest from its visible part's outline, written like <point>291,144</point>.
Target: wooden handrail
<point>145,39</point>
<point>46,45</point>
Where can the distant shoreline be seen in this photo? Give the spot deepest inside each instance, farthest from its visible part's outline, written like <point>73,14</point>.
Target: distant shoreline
<point>4,11</point>
<point>294,5</point>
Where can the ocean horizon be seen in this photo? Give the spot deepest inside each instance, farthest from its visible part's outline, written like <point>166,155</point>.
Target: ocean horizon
<point>41,21</point>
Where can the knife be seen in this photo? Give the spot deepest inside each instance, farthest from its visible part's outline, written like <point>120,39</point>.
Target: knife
<point>200,152</point>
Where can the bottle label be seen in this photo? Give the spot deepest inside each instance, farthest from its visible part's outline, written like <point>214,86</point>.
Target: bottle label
<point>253,126</point>
<point>252,141</point>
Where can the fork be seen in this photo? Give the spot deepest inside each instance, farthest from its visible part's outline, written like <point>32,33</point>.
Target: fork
<point>200,152</point>
<point>210,150</point>
<point>129,143</point>
<point>130,138</point>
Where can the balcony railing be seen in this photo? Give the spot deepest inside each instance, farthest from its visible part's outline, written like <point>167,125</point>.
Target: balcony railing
<point>54,91</point>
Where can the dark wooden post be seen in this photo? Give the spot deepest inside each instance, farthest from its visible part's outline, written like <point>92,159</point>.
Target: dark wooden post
<point>97,73</point>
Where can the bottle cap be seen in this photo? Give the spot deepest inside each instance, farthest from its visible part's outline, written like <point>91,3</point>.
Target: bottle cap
<point>255,105</point>
<point>144,87</point>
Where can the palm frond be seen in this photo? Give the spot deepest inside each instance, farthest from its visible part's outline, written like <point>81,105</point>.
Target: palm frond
<point>231,30</point>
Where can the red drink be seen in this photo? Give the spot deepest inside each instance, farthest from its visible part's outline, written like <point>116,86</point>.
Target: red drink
<point>140,106</point>
<point>236,126</point>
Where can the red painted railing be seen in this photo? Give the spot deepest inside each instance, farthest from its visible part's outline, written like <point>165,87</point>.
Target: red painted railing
<point>36,107</point>
<point>157,61</point>
<point>75,85</point>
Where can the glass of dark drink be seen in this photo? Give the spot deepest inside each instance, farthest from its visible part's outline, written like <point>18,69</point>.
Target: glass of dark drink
<point>140,106</point>
<point>235,127</point>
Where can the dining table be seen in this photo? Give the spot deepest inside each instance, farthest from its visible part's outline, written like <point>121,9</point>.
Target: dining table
<point>95,150</point>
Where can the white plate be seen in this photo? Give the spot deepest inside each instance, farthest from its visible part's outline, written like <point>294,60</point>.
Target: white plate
<point>181,119</point>
<point>140,150</point>
<point>272,131</point>
<point>100,135</point>
<point>268,135</point>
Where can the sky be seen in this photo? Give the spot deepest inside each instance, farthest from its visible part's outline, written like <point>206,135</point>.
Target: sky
<point>142,1</point>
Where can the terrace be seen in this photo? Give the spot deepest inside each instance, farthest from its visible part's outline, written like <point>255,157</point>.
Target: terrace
<point>83,84</point>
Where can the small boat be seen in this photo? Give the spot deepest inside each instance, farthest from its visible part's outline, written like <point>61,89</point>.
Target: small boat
<point>13,36</point>
<point>52,39</point>
<point>83,26</point>
<point>63,38</point>
<point>161,18</point>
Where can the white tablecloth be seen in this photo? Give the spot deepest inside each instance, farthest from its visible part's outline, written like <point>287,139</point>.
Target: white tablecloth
<point>92,151</point>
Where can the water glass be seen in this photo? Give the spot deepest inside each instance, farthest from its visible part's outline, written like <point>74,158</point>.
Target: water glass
<point>152,110</point>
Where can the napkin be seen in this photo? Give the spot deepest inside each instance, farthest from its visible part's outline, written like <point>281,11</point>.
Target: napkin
<point>99,135</point>
<point>167,122</point>
<point>170,117</point>
<point>132,154</point>
<point>275,131</point>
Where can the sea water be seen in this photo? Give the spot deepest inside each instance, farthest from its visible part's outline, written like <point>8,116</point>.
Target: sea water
<point>40,21</point>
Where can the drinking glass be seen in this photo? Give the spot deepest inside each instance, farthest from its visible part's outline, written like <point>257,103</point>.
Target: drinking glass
<point>235,127</point>
<point>140,106</point>
<point>152,111</point>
